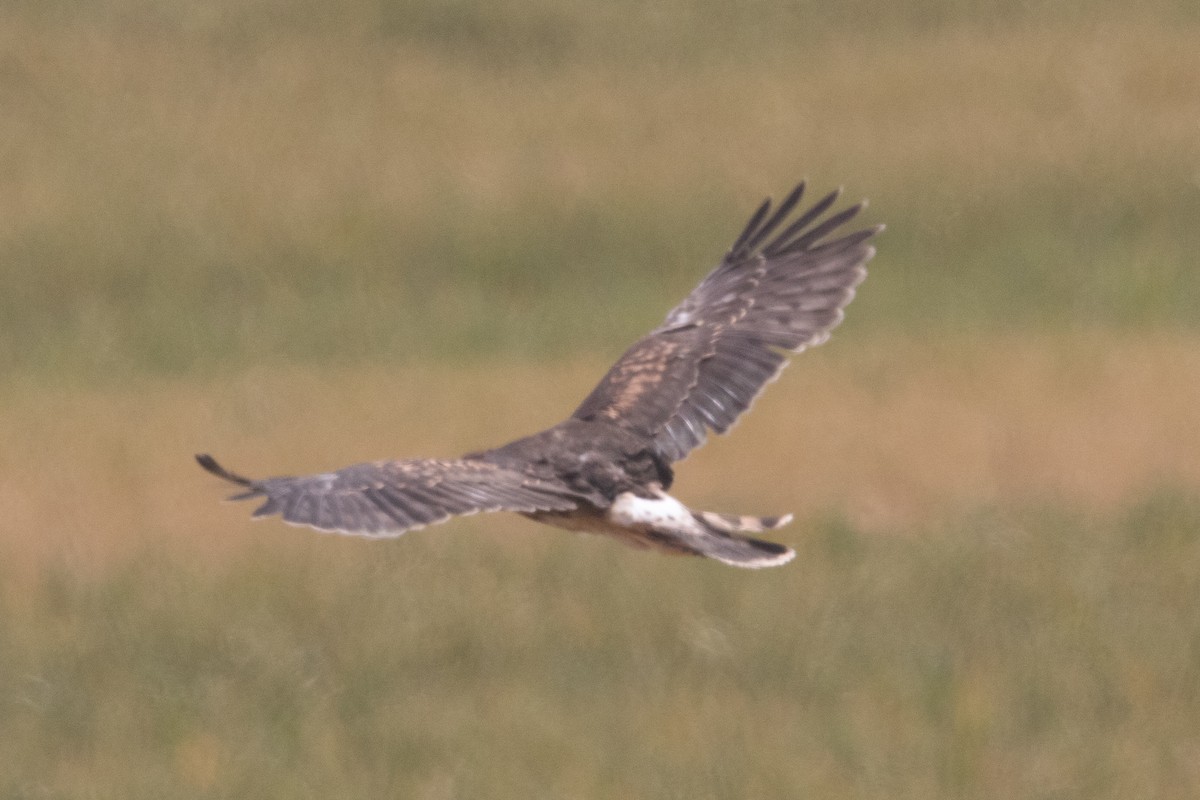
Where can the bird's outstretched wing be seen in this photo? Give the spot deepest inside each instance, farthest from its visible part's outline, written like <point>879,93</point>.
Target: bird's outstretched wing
<point>777,291</point>
<point>387,498</point>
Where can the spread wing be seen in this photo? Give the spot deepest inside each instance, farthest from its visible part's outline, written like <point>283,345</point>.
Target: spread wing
<point>777,291</point>
<point>387,498</point>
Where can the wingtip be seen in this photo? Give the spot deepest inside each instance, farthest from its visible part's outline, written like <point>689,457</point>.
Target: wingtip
<point>210,465</point>
<point>794,195</point>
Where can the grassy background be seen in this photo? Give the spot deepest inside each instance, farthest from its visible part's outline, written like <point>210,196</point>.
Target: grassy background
<point>270,181</point>
<point>302,234</point>
<point>938,666</point>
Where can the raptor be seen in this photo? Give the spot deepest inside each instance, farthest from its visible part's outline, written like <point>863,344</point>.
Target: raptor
<point>607,469</point>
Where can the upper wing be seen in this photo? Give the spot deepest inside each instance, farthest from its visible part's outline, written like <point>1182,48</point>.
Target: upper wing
<point>731,336</point>
<point>387,498</point>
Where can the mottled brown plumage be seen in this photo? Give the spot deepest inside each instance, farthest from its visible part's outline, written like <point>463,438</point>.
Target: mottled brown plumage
<point>607,468</point>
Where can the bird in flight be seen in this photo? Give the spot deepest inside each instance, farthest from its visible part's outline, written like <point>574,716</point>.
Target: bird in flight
<point>780,289</point>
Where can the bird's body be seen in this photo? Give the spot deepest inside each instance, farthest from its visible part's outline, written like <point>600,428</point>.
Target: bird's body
<point>597,460</point>
<point>608,467</point>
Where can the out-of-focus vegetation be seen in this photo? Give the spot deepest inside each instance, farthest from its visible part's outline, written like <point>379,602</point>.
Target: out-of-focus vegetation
<point>302,234</point>
<point>1044,655</point>
<point>204,185</point>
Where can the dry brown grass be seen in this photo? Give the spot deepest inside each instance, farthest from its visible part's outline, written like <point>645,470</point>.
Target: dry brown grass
<point>890,434</point>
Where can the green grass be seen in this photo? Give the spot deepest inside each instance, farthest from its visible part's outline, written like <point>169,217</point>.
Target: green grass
<point>1007,655</point>
<point>374,181</point>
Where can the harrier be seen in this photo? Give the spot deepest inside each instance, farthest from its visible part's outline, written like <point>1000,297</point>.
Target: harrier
<point>606,469</point>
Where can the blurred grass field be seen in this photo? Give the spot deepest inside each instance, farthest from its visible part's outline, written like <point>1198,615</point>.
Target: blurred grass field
<point>303,234</point>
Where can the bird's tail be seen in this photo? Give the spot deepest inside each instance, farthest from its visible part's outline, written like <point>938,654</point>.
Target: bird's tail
<point>725,542</point>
